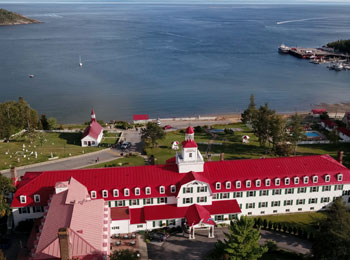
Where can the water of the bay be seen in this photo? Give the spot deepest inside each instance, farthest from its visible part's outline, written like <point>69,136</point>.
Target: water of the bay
<point>168,59</point>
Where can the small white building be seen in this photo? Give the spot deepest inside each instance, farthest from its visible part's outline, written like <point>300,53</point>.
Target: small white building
<point>93,134</point>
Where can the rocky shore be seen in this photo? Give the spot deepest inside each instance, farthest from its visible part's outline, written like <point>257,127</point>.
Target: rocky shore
<point>11,18</point>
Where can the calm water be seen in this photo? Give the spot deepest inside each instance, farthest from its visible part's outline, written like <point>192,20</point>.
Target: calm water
<point>168,60</point>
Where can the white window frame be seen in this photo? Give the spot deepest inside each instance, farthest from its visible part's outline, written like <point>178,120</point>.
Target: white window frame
<point>93,194</point>
<point>296,180</point>
<point>315,179</point>
<point>148,190</point>
<point>277,182</point>
<point>137,191</point>
<point>286,181</point>
<point>327,178</point>
<point>267,182</point>
<point>258,183</point>
<point>161,189</point>
<point>23,199</point>
<point>306,179</point>
<point>173,188</point>
<point>339,177</point>
<point>228,185</point>
<point>248,183</point>
<point>36,198</point>
<point>126,192</point>
<point>115,193</point>
<point>104,193</point>
<point>238,184</point>
<point>218,186</point>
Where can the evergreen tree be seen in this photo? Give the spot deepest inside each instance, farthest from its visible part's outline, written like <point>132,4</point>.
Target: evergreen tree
<point>248,114</point>
<point>277,129</point>
<point>262,124</point>
<point>152,133</point>
<point>5,188</point>
<point>296,130</point>
<point>242,241</point>
<point>332,241</point>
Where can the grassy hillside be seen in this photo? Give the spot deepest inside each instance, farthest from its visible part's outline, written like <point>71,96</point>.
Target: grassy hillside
<point>11,18</point>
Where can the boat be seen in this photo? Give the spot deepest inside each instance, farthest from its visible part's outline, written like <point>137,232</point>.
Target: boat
<point>80,63</point>
<point>339,67</point>
<point>283,48</point>
<point>31,76</point>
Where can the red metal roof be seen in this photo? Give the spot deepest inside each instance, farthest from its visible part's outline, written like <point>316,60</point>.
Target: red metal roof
<point>198,213</point>
<point>189,144</point>
<point>119,213</point>
<point>189,130</point>
<point>318,111</point>
<point>154,176</point>
<point>329,123</point>
<point>140,117</point>
<point>137,216</point>
<point>344,130</point>
<point>93,130</point>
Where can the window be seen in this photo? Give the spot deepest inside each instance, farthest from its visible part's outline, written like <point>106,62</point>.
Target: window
<point>187,190</point>
<point>277,192</point>
<point>162,200</point>
<point>38,209</point>
<point>267,182</point>
<point>148,190</point>
<point>314,189</point>
<point>126,192</point>
<point>147,201</point>
<point>327,178</point>
<point>85,142</point>
<point>187,200</point>
<point>115,193</point>
<point>287,210</point>
<point>25,210</point>
<point>300,209</point>
<point>104,194</point>
<point>202,199</point>
<point>219,217</point>
<point>288,203</point>
<point>300,201</point>
<point>338,187</point>
<point>120,203</point>
<point>326,188</point>
<point>289,191</point>
<point>93,142</point>
<point>314,179</point>
<point>225,195</point>
<point>171,222</point>
<point>215,196</point>
<point>306,179</point>
<point>238,194</point>
<point>264,192</point>
<point>275,203</point>
<point>313,201</point>
<point>172,188</point>
<point>137,191</point>
<point>277,181</point>
<point>250,205</point>
<point>325,199</point>
<point>302,190</point>
<point>23,199</point>
<point>340,177</point>
<point>161,190</point>
<point>190,155</point>
<point>238,184</point>
<point>258,183</point>
<point>36,198</point>
<point>202,189</point>
<point>139,226</point>
<point>262,212</point>
<point>228,185</point>
<point>134,202</point>
<point>275,211</point>
<point>93,194</point>
<point>296,180</point>
<point>248,183</point>
<point>287,181</point>
<point>263,204</point>
<point>218,185</point>
<point>251,193</point>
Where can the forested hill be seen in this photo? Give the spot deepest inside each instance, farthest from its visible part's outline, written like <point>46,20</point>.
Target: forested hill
<point>341,45</point>
<point>11,18</point>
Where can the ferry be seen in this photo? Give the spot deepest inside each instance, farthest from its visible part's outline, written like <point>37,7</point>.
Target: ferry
<point>283,48</point>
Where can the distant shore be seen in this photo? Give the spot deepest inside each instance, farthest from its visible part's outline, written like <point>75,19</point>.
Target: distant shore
<point>12,18</point>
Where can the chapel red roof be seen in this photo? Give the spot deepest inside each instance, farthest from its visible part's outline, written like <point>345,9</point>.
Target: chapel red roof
<point>318,111</point>
<point>93,130</point>
<point>189,130</point>
<point>140,117</point>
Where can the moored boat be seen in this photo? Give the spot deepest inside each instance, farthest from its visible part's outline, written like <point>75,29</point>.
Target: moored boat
<point>283,48</point>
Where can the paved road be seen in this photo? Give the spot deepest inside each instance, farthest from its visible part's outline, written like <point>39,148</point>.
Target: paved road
<point>183,124</point>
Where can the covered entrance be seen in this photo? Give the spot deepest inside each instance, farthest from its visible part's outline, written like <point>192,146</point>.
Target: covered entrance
<point>199,217</point>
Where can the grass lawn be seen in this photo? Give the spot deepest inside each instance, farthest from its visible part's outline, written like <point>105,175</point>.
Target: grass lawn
<point>109,139</point>
<point>125,161</point>
<point>21,150</point>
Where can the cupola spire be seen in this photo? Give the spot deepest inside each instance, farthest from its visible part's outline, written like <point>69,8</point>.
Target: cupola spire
<point>93,116</point>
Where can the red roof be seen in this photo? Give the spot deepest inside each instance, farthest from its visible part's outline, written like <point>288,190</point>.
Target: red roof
<point>329,123</point>
<point>137,216</point>
<point>198,213</point>
<point>344,130</point>
<point>140,117</point>
<point>189,130</point>
<point>318,111</point>
<point>189,144</point>
<point>93,130</point>
<point>154,176</point>
<point>119,213</point>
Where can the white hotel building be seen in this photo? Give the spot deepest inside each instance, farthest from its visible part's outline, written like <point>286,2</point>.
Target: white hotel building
<point>188,190</point>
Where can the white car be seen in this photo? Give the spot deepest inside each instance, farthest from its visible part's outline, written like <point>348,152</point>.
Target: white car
<point>125,145</point>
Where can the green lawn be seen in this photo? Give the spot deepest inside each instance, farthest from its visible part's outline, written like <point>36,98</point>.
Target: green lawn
<point>125,161</point>
<point>109,139</point>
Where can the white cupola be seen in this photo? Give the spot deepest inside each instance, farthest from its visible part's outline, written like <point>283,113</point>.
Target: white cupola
<point>93,116</point>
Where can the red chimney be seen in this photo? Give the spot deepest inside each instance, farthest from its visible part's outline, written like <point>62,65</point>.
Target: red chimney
<point>65,246</point>
<point>14,176</point>
<point>340,156</point>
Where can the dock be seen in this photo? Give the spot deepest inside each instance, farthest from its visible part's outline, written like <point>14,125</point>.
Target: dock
<point>317,53</point>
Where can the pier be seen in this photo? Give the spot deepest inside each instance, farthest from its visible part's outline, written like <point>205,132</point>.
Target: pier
<point>318,53</point>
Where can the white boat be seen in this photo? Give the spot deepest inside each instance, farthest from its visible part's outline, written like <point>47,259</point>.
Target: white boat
<point>339,67</point>
<point>80,63</point>
<point>31,76</point>
<point>283,48</point>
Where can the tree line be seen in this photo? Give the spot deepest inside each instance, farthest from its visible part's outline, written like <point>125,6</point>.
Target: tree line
<point>274,130</point>
<point>341,45</point>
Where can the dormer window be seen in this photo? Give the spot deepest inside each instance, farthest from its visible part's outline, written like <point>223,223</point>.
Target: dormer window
<point>126,192</point>
<point>218,185</point>
<point>277,181</point>
<point>267,182</point>
<point>23,199</point>
<point>148,190</point>
<point>137,191</point>
<point>258,183</point>
<point>115,193</point>
<point>104,193</point>
<point>161,190</point>
<point>327,178</point>
<point>306,179</point>
<point>238,184</point>
<point>36,198</point>
<point>287,181</point>
<point>172,188</point>
<point>296,180</point>
<point>93,194</point>
<point>314,179</point>
<point>228,185</point>
<point>340,177</point>
<point>248,183</point>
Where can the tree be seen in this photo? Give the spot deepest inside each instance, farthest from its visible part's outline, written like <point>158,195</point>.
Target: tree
<point>248,114</point>
<point>44,122</point>
<point>324,116</point>
<point>261,123</point>
<point>296,130</point>
<point>333,136</point>
<point>277,130</point>
<point>52,123</point>
<point>332,241</point>
<point>124,254</point>
<point>242,241</point>
<point>6,187</point>
<point>152,133</point>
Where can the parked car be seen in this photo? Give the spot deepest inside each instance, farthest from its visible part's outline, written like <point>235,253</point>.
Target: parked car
<point>125,145</point>
<point>160,237</point>
<point>167,127</point>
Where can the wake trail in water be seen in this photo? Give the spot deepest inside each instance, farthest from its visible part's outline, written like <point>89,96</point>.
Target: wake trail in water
<point>301,20</point>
